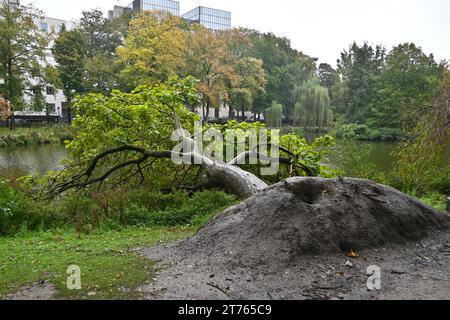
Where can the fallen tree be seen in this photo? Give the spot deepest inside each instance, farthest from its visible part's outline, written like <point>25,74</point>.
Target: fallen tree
<point>121,137</point>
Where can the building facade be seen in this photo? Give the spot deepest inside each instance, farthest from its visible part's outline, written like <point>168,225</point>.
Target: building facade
<point>209,18</point>
<point>161,5</point>
<point>55,101</point>
<point>13,3</point>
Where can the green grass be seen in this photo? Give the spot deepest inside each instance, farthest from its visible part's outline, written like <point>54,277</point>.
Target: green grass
<point>435,200</point>
<point>110,269</point>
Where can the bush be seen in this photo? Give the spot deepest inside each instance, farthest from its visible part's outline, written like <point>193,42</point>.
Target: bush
<point>85,211</point>
<point>441,182</point>
<point>157,209</point>
<point>30,136</point>
<point>435,200</point>
<point>364,132</point>
<point>17,212</point>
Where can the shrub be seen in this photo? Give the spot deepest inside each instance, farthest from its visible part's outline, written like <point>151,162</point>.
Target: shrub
<point>17,212</point>
<point>364,132</point>
<point>157,209</point>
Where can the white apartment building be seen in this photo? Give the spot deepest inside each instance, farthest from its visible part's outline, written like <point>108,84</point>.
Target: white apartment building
<point>55,101</point>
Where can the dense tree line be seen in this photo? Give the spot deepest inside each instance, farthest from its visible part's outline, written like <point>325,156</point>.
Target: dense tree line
<point>382,89</point>
<point>242,69</point>
<point>22,52</point>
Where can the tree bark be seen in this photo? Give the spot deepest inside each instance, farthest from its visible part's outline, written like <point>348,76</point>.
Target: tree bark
<point>235,180</point>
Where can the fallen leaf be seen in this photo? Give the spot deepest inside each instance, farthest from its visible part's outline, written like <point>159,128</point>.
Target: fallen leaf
<point>352,254</point>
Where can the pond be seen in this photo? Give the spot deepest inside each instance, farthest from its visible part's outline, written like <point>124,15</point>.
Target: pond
<point>36,159</point>
<point>43,158</point>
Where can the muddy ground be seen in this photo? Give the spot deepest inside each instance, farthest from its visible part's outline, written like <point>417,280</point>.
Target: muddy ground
<point>413,271</point>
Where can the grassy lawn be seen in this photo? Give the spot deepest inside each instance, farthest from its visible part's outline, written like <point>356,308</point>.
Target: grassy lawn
<point>108,264</point>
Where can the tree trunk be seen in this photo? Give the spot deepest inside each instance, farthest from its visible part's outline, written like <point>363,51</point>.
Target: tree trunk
<point>217,112</point>
<point>208,106</point>
<point>235,180</point>
<point>230,113</point>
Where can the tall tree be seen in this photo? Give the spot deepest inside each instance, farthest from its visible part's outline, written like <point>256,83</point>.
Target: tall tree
<point>69,51</point>
<point>429,138</point>
<point>86,56</point>
<point>22,53</point>
<point>102,37</point>
<point>312,106</point>
<point>154,49</point>
<point>208,60</point>
<point>408,81</point>
<point>250,82</point>
<point>284,68</point>
<point>274,115</point>
<point>359,68</point>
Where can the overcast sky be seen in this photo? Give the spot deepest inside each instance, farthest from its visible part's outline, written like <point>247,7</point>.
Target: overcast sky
<point>320,28</point>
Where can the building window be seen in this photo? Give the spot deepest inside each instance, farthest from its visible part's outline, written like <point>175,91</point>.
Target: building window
<point>50,91</point>
<point>43,26</point>
<point>50,108</point>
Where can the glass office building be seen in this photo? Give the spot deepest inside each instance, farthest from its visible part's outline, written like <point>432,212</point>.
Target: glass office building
<point>162,5</point>
<point>13,3</point>
<point>209,18</point>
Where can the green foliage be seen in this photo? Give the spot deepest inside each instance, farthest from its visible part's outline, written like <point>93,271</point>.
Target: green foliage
<point>17,212</point>
<point>364,132</point>
<point>86,212</point>
<point>142,118</point>
<point>384,91</point>
<point>69,51</point>
<point>32,136</point>
<point>274,115</point>
<point>422,157</point>
<point>284,67</point>
<point>312,106</point>
<point>359,68</point>
<point>309,155</point>
<point>409,80</point>
<point>156,209</point>
<point>7,204</point>
<point>22,48</point>
<point>435,200</point>
<point>86,55</point>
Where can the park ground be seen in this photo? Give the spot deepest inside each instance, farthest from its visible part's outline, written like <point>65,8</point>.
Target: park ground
<point>34,264</point>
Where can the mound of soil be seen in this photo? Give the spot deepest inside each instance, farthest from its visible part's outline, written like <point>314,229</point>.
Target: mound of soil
<point>311,216</point>
<point>311,238</point>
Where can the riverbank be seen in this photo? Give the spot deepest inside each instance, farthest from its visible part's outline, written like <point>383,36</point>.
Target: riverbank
<point>365,133</point>
<point>26,136</point>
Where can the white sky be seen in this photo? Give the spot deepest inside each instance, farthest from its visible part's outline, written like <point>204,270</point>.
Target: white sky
<point>320,28</point>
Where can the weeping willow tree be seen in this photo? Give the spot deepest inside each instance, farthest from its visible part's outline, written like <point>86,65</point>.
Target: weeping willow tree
<point>312,106</point>
<point>425,148</point>
<point>274,115</point>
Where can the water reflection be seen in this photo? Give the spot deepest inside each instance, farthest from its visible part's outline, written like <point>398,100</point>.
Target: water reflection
<point>43,158</point>
<point>33,159</point>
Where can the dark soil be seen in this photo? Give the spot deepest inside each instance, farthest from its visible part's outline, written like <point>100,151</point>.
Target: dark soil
<point>311,238</point>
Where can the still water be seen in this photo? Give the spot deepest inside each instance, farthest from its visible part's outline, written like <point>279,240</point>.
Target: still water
<point>33,159</point>
<point>43,158</point>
